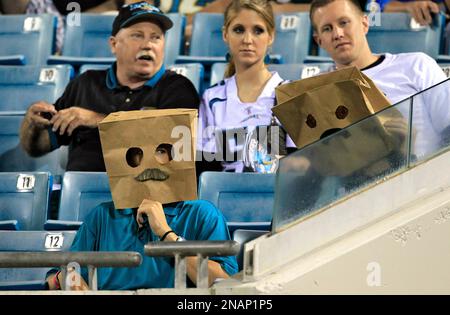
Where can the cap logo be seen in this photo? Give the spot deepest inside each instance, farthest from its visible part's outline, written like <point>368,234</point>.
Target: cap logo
<point>144,6</point>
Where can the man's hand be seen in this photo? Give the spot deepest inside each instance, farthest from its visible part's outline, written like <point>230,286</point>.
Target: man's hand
<point>156,217</point>
<point>76,281</point>
<point>421,11</point>
<point>67,120</point>
<point>36,113</point>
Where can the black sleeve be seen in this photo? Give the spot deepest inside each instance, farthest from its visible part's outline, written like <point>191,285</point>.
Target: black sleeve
<point>178,92</point>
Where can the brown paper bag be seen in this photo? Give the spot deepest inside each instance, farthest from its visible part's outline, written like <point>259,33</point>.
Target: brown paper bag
<point>143,131</point>
<point>312,108</point>
<point>366,144</point>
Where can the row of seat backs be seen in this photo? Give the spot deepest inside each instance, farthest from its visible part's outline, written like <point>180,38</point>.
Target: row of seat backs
<point>292,39</point>
<point>86,41</point>
<point>29,39</point>
<point>26,39</point>
<point>20,86</point>
<point>395,33</point>
<point>246,199</point>
<point>44,241</point>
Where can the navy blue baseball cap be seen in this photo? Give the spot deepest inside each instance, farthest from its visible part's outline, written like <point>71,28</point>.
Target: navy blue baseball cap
<point>140,12</point>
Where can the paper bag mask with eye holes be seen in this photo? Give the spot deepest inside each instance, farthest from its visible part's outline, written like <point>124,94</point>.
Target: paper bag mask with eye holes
<point>150,154</point>
<point>313,108</point>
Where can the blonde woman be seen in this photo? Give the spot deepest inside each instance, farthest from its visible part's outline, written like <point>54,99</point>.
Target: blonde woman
<point>247,94</point>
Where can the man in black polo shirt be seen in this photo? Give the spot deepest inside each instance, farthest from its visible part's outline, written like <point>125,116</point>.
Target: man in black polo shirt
<point>138,80</point>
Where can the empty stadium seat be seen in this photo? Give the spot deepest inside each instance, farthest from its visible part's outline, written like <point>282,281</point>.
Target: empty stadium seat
<point>193,71</point>
<point>292,72</point>
<point>80,193</point>
<point>24,200</point>
<point>395,34</point>
<point>13,157</point>
<point>243,236</point>
<point>88,41</point>
<point>20,86</point>
<point>26,39</point>
<point>245,199</point>
<point>21,241</point>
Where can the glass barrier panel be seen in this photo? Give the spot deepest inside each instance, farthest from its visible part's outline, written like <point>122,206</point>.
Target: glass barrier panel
<point>430,122</point>
<point>336,166</point>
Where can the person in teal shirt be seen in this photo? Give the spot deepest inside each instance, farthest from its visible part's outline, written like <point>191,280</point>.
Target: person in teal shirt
<point>108,229</point>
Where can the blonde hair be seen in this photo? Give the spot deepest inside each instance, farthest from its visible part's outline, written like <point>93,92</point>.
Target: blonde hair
<point>262,7</point>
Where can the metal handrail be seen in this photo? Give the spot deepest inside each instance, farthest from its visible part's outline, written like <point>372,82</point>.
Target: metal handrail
<point>56,259</point>
<point>91,260</point>
<point>192,248</point>
<point>201,249</point>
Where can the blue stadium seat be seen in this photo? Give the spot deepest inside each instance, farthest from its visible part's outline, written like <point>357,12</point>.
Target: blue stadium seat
<point>395,35</point>
<point>217,72</point>
<point>243,236</point>
<point>206,44</point>
<point>245,199</point>
<point>80,193</point>
<point>193,71</point>
<point>21,241</point>
<point>24,200</point>
<point>87,43</point>
<point>14,159</point>
<point>292,72</point>
<point>26,39</point>
<point>292,39</point>
<point>20,86</point>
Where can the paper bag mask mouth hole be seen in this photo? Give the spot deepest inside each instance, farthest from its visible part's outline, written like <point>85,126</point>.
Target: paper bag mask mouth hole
<point>329,132</point>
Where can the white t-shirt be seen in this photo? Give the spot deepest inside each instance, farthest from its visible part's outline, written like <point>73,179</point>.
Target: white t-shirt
<point>221,109</point>
<point>403,75</point>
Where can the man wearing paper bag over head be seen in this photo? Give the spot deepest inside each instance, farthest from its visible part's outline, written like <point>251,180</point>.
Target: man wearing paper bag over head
<point>151,167</point>
<point>314,108</point>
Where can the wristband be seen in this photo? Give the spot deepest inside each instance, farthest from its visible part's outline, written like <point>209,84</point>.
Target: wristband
<point>165,235</point>
<point>56,281</point>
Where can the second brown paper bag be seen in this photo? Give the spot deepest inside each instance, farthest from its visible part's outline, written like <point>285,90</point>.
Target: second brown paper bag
<point>314,108</point>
